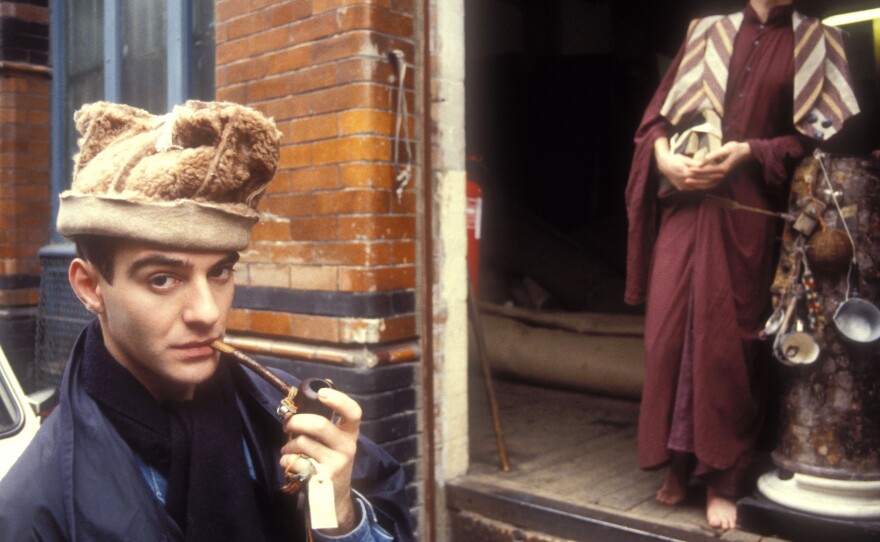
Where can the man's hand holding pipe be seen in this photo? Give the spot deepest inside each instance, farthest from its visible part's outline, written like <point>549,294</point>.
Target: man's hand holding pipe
<point>331,446</point>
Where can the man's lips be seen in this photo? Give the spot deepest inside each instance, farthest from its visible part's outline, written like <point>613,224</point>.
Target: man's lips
<point>196,349</point>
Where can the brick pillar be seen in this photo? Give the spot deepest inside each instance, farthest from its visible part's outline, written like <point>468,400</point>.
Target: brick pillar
<point>24,174</point>
<point>332,265</point>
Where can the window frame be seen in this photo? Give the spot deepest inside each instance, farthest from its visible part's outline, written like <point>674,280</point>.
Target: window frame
<point>179,51</point>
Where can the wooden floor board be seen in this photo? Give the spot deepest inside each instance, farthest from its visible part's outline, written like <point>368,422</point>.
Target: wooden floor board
<point>630,491</point>
<point>575,448</point>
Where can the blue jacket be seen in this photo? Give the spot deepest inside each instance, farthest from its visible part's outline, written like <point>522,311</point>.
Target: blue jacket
<point>79,481</point>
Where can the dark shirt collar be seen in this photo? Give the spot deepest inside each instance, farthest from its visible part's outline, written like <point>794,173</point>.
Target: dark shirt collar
<point>779,15</point>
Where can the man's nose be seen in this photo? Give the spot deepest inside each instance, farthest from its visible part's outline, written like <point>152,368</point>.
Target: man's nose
<point>201,307</point>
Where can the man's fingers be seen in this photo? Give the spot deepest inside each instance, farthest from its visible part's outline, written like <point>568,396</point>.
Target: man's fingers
<point>315,444</point>
<point>294,462</point>
<point>326,442</point>
<point>346,415</point>
<point>305,428</point>
<point>691,162</point>
<point>708,170</point>
<point>720,154</point>
<point>320,451</point>
<point>315,435</point>
<point>347,410</point>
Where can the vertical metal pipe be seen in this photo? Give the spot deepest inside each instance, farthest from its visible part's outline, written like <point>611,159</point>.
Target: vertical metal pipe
<point>112,51</point>
<point>57,14</point>
<point>429,528</point>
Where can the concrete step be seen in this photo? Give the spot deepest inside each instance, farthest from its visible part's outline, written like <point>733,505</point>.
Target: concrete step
<point>486,513</point>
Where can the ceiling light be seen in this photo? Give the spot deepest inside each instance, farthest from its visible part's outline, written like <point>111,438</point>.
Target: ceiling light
<point>852,17</point>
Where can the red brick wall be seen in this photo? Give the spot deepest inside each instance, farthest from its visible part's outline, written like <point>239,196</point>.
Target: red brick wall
<point>24,151</point>
<point>321,69</point>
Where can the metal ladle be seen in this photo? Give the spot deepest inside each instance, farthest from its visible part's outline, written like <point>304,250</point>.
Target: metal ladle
<point>857,319</point>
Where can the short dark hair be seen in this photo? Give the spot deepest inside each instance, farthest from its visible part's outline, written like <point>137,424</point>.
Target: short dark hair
<point>98,250</point>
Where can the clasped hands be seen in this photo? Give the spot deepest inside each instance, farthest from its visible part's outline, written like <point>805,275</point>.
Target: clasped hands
<point>688,174</point>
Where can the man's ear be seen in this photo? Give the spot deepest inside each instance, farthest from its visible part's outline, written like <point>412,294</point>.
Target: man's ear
<point>85,280</point>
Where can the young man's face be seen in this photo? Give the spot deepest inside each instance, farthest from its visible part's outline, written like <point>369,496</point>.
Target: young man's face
<point>161,312</point>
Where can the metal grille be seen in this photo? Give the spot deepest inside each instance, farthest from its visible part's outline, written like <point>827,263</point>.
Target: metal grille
<point>60,315</point>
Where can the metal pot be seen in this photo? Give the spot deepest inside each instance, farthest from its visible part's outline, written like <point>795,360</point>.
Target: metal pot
<point>857,319</point>
<point>798,348</point>
<point>793,346</point>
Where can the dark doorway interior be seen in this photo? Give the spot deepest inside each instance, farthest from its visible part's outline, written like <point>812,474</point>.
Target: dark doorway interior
<point>556,89</point>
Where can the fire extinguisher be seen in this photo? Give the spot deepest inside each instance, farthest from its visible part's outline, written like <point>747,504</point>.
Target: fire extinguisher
<point>474,214</point>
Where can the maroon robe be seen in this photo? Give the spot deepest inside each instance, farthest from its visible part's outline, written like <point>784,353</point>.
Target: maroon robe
<point>705,272</point>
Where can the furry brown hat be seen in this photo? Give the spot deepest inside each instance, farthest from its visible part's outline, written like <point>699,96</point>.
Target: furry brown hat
<point>190,179</point>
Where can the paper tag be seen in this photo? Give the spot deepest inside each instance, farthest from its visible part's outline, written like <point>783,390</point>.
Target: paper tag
<point>804,224</point>
<point>322,502</point>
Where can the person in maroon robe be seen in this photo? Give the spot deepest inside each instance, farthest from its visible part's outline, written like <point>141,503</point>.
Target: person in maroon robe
<point>705,271</point>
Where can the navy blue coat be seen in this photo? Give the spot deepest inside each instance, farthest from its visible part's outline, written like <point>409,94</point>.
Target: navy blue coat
<point>79,481</point>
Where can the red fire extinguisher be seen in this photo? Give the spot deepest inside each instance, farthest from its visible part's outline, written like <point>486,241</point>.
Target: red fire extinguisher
<point>474,213</point>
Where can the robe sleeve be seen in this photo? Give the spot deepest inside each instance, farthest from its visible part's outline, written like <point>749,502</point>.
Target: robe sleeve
<point>778,156</point>
<point>641,190</point>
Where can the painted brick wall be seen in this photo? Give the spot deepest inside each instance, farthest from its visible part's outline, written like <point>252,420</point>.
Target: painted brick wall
<point>24,172</point>
<point>334,262</point>
<point>336,256</point>
<point>24,182</point>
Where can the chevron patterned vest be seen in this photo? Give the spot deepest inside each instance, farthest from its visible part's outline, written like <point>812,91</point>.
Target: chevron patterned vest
<point>823,96</point>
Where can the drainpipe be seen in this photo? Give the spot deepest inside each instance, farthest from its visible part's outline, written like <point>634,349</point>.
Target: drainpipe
<point>359,357</point>
<point>429,528</point>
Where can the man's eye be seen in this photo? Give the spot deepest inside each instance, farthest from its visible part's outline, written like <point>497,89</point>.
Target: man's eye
<point>162,281</point>
<point>222,273</point>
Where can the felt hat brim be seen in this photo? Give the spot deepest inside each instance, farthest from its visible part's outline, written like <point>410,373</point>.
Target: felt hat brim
<point>184,224</point>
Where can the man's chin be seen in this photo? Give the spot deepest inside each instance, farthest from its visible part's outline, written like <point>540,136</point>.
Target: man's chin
<point>194,371</point>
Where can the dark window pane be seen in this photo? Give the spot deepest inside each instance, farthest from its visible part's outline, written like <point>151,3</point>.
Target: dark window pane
<point>84,63</point>
<point>203,50</point>
<point>144,69</point>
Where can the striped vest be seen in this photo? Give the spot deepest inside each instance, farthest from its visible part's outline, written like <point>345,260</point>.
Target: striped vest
<point>823,96</point>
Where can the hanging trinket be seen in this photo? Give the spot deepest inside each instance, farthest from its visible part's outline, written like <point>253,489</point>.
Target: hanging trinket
<point>814,306</point>
<point>829,250</point>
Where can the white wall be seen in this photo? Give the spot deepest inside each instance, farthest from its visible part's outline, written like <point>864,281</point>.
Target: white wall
<point>450,250</point>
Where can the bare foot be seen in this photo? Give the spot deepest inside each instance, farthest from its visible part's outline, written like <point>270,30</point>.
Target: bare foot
<point>674,489</point>
<point>720,511</point>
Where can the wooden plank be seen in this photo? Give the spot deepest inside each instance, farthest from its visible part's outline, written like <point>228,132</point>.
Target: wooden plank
<point>632,489</point>
<point>580,449</point>
<point>650,509</point>
<point>579,459</point>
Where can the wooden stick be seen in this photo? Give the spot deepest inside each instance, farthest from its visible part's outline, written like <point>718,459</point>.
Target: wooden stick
<point>487,377</point>
<point>252,364</point>
<point>736,206</point>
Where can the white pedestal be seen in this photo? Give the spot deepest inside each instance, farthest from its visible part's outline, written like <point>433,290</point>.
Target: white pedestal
<point>823,496</point>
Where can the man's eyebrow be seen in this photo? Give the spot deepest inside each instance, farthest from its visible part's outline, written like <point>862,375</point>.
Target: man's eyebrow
<point>160,260</point>
<point>229,259</point>
<point>157,260</point>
